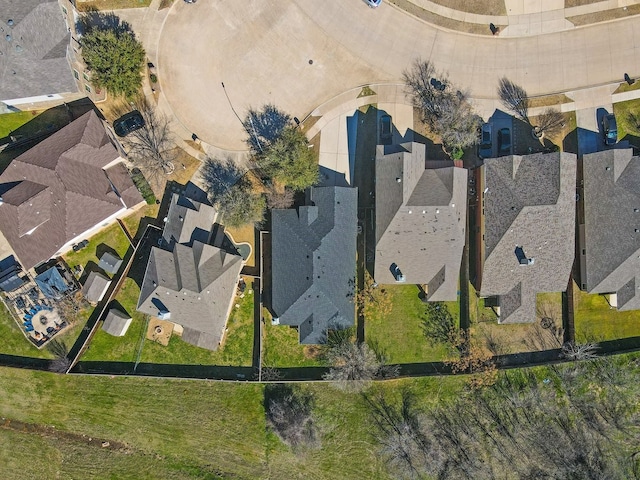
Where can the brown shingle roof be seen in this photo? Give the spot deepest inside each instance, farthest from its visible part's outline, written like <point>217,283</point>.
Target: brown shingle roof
<point>62,178</point>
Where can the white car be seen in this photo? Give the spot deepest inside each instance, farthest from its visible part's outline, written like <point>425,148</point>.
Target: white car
<point>373,3</point>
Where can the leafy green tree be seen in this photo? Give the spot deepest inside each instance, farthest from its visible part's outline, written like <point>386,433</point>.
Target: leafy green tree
<point>240,205</point>
<point>289,160</point>
<point>115,59</point>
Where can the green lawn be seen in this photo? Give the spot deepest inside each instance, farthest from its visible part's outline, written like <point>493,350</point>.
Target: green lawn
<point>182,429</point>
<point>280,347</point>
<point>10,121</point>
<point>111,236</point>
<point>237,349</point>
<point>13,341</point>
<point>622,111</point>
<point>595,320</point>
<point>400,332</point>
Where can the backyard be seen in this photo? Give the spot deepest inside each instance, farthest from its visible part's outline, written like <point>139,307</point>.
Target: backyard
<point>281,348</point>
<point>595,320</point>
<point>237,349</point>
<point>399,334</point>
<point>110,239</point>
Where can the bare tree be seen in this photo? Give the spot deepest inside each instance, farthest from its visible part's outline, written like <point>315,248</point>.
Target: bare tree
<point>550,122</point>
<point>579,351</point>
<point>61,362</point>
<point>152,146</point>
<point>373,299</point>
<point>444,107</point>
<point>354,366</point>
<point>289,413</point>
<point>282,199</point>
<point>399,430</point>
<point>514,98</point>
<point>438,325</point>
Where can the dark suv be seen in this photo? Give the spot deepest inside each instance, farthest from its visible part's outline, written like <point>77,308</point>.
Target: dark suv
<point>610,129</point>
<point>128,123</point>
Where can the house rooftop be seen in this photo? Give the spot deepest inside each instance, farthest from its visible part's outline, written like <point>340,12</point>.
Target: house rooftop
<point>62,187</point>
<point>529,227</point>
<point>420,220</point>
<point>611,197</point>
<point>314,262</point>
<point>33,46</point>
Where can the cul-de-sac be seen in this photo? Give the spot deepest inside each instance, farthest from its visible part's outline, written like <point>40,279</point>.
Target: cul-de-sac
<point>338,240</point>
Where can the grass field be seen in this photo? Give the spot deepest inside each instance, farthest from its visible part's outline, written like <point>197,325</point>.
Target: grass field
<point>282,349</point>
<point>10,121</point>
<point>622,111</point>
<point>237,349</point>
<point>111,237</point>
<point>399,333</point>
<point>182,429</point>
<point>595,320</point>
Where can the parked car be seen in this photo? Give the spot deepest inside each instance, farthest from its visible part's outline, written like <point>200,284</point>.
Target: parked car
<point>386,131</point>
<point>504,142</point>
<point>485,149</point>
<point>128,123</point>
<point>373,3</point>
<point>610,129</point>
<point>189,1</point>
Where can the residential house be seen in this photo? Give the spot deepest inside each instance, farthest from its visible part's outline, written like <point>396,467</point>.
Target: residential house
<point>609,230</point>
<point>189,281</point>
<point>314,263</point>
<point>61,190</point>
<point>526,235</point>
<point>33,49</point>
<point>420,220</point>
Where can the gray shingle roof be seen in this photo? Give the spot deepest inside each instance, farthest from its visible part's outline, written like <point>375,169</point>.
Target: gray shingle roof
<point>314,262</point>
<point>196,285</point>
<point>420,220</point>
<point>612,225</point>
<point>34,62</point>
<point>109,263</point>
<point>62,187</point>
<point>95,287</point>
<point>187,221</point>
<point>116,323</point>
<point>529,211</point>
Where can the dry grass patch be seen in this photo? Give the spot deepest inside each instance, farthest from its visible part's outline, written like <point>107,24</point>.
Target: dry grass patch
<point>482,7</point>
<point>549,100</point>
<point>445,22</point>
<point>92,5</point>
<point>597,17</point>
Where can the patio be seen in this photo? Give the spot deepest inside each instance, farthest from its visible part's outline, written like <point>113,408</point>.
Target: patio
<point>41,323</point>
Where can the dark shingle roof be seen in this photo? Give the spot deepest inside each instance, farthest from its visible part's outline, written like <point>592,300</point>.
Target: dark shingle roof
<point>529,209</point>
<point>34,62</point>
<point>313,257</point>
<point>196,285</point>
<point>187,220</point>
<point>420,220</point>
<point>612,225</point>
<point>109,263</point>
<point>61,186</point>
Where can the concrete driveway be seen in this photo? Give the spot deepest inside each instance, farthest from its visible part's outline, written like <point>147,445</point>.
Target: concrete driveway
<point>262,51</point>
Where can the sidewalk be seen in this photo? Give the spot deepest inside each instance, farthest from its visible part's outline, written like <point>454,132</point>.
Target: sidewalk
<point>525,17</point>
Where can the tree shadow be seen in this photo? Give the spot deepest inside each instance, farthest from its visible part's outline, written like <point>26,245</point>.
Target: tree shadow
<point>95,19</point>
<point>219,175</point>
<point>42,126</point>
<point>264,126</point>
<point>103,248</point>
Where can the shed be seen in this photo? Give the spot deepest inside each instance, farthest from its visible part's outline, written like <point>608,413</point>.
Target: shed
<point>110,263</point>
<point>116,323</point>
<point>95,287</point>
